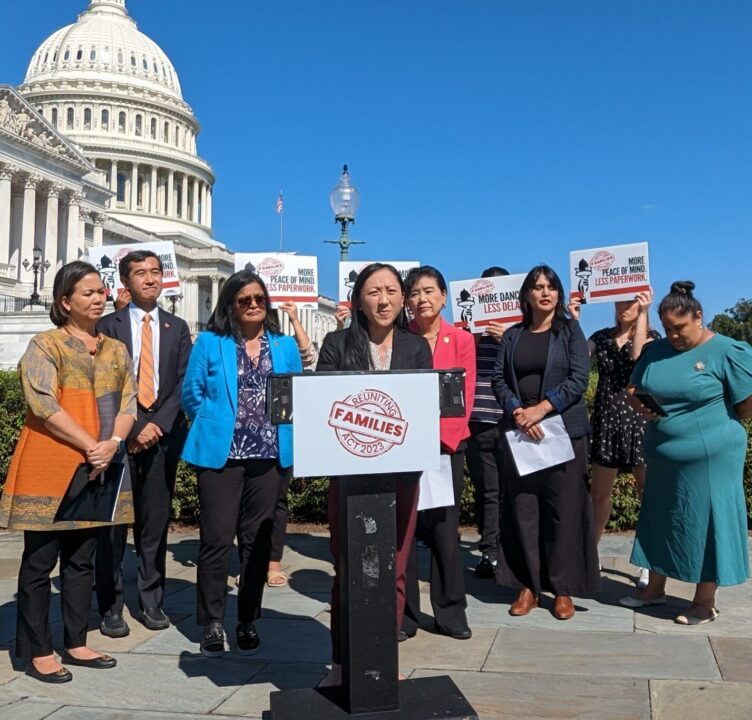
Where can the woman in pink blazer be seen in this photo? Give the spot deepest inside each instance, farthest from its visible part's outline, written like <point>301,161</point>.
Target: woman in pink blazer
<point>426,293</point>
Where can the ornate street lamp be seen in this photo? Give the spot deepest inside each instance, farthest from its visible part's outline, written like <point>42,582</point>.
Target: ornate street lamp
<point>345,200</point>
<point>36,266</point>
<point>174,299</point>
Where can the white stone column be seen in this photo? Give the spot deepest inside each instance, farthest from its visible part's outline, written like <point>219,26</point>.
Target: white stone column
<point>171,194</point>
<point>153,190</point>
<point>203,203</point>
<point>72,242</point>
<point>184,198</point>
<point>134,187</point>
<point>209,206</point>
<point>215,291</point>
<point>113,182</point>
<point>194,204</point>
<point>50,250</point>
<point>28,223</point>
<point>83,216</point>
<point>6,175</point>
<point>190,306</point>
<point>98,229</point>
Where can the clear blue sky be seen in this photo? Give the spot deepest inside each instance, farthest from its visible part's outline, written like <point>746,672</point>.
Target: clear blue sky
<point>478,132</point>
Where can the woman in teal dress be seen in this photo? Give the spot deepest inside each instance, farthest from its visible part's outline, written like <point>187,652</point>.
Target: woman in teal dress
<point>693,522</point>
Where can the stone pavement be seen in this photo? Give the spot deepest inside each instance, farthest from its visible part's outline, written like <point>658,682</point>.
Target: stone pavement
<point>608,663</point>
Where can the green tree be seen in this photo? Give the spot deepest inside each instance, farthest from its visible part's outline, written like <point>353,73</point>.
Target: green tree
<point>735,322</point>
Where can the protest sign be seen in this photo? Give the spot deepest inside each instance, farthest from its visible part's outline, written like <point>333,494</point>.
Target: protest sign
<point>106,259</point>
<point>288,277</point>
<point>348,273</point>
<point>609,274</point>
<point>476,303</point>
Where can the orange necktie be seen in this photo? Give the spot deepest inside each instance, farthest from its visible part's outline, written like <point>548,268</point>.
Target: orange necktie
<point>146,366</point>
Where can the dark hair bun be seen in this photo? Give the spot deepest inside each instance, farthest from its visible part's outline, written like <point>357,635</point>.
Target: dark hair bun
<point>682,287</point>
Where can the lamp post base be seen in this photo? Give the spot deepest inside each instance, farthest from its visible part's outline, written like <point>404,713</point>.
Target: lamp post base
<point>419,699</point>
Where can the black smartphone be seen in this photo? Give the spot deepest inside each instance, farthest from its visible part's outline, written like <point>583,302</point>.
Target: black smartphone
<point>651,403</point>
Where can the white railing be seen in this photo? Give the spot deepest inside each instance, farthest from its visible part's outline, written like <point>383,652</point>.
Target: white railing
<point>206,253</point>
<point>8,271</point>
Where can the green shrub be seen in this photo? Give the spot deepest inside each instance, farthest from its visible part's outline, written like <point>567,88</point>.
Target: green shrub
<point>748,472</point>
<point>185,499</point>
<point>12,415</point>
<point>625,506</point>
<point>308,499</point>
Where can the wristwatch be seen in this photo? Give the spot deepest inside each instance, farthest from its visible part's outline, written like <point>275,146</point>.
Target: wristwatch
<point>120,443</point>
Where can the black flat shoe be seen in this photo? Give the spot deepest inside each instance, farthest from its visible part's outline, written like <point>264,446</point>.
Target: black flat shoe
<point>59,676</point>
<point>155,619</point>
<point>103,662</point>
<point>213,640</point>
<point>402,635</point>
<point>486,568</point>
<point>114,626</point>
<point>248,639</point>
<point>461,633</point>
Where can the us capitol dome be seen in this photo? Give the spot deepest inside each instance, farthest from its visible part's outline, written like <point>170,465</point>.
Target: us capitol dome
<point>113,92</point>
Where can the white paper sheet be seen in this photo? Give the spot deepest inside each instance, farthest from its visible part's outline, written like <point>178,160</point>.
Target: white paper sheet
<point>532,455</point>
<point>436,486</point>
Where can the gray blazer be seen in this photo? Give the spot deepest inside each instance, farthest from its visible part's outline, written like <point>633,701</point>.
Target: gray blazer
<point>565,377</point>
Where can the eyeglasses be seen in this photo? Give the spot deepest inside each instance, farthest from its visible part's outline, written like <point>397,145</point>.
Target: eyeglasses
<point>248,300</point>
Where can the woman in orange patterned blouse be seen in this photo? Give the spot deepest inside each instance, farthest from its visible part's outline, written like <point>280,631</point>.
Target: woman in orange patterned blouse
<point>81,397</point>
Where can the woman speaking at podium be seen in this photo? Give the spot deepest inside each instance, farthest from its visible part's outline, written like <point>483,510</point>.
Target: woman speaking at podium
<point>377,339</point>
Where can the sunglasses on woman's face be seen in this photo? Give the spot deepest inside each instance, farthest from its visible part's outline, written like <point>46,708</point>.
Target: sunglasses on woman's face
<point>247,300</point>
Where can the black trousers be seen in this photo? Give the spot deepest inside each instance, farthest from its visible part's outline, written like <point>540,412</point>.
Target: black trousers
<point>75,549</point>
<point>279,529</point>
<point>238,500</point>
<point>547,534</point>
<point>153,476</point>
<point>485,460</point>
<point>440,530</point>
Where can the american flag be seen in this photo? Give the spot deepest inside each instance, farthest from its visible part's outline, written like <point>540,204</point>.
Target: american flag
<point>280,204</point>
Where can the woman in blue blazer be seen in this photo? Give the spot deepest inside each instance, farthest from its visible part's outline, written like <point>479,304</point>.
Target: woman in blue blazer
<point>542,368</point>
<point>242,459</point>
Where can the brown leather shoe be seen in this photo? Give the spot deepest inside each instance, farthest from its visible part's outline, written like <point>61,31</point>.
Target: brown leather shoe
<point>563,607</point>
<point>524,603</point>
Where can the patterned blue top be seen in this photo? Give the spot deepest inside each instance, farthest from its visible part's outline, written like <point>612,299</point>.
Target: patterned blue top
<point>254,436</point>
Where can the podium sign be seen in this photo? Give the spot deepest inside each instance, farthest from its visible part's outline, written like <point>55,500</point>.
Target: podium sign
<point>361,424</point>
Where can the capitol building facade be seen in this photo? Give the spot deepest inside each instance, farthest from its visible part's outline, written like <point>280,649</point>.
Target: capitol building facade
<point>98,146</point>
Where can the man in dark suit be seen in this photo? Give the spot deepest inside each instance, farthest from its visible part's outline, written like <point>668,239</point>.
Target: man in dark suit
<point>159,343</point>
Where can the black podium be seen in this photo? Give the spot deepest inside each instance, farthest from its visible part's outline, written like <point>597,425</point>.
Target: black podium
<point>367,558</point>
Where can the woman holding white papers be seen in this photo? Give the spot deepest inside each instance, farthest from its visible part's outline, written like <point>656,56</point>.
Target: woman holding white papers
<point>452,347</point>
<point>541,372</point>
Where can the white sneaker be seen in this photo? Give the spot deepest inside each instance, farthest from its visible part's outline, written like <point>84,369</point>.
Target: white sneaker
<point>644,578</point>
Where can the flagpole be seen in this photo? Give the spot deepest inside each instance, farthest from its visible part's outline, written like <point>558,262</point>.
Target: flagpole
<point>281,213</point>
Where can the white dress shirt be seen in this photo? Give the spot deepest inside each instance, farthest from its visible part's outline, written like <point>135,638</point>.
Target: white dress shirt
<point>137,328</point>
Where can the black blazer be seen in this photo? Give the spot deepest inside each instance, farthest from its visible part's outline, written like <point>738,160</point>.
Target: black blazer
<point>174,349</point>
<point>565,376</point>
<point>409,352</point>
